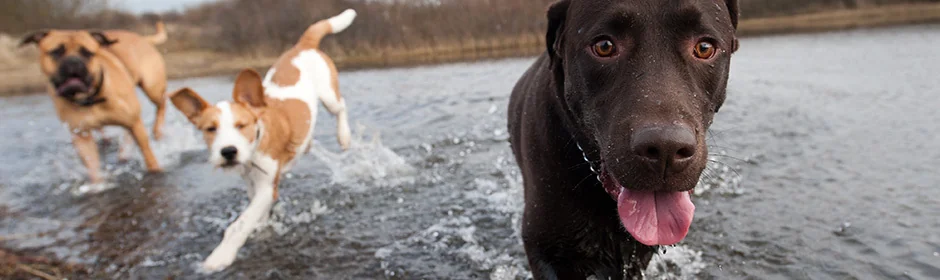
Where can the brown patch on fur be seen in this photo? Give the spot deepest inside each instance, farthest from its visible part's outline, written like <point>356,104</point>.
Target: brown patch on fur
<point>205,119</point>
<point>245,118</point>
<point>315,33</point>
<point>285,73</point>
<point>286,125</point>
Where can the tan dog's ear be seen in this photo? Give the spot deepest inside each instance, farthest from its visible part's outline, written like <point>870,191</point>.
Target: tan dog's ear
<point>189,102</point>
<point>34,37</point>
<point>248,89</point>
<point>102,39</point>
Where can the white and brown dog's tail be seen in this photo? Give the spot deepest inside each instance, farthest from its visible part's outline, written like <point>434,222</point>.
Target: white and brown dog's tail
<point>333,25</point>
<point>160,36</point>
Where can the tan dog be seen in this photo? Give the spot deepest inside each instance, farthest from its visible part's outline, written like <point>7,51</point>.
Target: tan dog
<point>268,125</point>
<point>92,76</point>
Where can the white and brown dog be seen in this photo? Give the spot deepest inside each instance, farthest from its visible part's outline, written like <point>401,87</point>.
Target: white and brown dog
<point>268,125</point>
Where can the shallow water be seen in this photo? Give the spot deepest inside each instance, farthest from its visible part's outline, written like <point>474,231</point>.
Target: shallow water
<point>826,168</point>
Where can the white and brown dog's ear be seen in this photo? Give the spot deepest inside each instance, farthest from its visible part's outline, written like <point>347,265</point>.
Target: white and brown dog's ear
<point>248,89</point>
<point>34,38</point>
<point>189,102</point>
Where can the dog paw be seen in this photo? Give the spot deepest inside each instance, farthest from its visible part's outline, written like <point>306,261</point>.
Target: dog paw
<point>218,261</point>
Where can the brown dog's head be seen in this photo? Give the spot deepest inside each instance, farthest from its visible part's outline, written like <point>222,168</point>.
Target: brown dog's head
<point>70,60</point>
<point>231,129</point>
<point>641,82</point>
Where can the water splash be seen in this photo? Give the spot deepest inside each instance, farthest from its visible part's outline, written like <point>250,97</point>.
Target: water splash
<point>286,214</point>
<point>720,177</point>
<point>366,163</point>
<point>677,262</point>
<point>178,137</point>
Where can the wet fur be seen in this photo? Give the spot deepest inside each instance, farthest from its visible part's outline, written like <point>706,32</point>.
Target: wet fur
<point>566,103</point>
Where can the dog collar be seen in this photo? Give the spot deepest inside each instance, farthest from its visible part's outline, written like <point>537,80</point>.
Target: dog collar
<point>589,162</point>
<point>258,134</point>
<point>93,97</point>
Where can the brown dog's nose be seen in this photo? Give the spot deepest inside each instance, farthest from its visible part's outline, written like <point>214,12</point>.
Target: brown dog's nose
<point>667,149</point>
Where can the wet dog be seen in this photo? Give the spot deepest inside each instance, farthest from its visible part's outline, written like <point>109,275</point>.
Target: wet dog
<point>92,76</point>
<point>267,125</point>
<point>608,128</point>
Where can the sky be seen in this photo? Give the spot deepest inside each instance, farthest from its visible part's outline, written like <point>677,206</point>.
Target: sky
<point>143,6</point>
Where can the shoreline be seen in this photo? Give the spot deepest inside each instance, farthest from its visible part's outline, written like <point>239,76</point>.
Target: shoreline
<point>25,79</point>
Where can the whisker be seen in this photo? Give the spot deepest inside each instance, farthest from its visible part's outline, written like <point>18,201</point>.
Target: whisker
<point>582,180</point>
<point>732,168</point>
<point>731,157</point>
<point>569,142</point>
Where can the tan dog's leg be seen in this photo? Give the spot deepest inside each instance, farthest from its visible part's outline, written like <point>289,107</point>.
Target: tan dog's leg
<point>87,150</point>
<point>157,94</point>
<point>124,150</point>
<point>139,132</point>
<point>104,138</point>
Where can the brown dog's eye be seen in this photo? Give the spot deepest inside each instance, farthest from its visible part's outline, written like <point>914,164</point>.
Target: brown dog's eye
<point>239,126</point>
<point>86,53</point>
<point>605,48</point>
<point>704,50</point>
<point>210,129</point>
<point>57,52</point>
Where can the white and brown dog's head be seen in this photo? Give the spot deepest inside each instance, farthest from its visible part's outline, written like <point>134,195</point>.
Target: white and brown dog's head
<point>232,130</point>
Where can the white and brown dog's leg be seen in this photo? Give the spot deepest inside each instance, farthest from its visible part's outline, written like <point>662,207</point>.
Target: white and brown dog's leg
<point>337,106</point>
<point>264,178</point>
<point>87,149</point>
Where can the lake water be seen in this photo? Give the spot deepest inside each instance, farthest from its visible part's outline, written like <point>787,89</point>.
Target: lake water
<point>825,155</point>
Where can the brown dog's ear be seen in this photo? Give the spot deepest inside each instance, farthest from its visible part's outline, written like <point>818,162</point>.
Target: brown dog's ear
<point>34,38</point>
<point>556,19</point>
<point>102,39</point>
<point>248,89</point>
<point>189,102</point>
<point>733,11</point>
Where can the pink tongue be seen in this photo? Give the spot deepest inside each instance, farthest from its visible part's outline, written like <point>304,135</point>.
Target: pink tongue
<point>656,218</point>
<point>71,82</point>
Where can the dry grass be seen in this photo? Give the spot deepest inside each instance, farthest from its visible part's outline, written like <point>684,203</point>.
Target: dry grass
<point>21,74</point>
<point>843,19</point>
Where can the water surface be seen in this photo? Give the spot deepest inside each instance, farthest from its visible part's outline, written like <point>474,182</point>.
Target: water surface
<point>826,157</point>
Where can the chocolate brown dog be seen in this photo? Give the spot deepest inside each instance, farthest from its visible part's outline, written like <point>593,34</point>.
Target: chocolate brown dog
<point>608,128</point>
<point>92,76</point>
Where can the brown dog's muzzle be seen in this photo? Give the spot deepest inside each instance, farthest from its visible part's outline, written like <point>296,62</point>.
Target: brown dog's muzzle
<point>666,150</point>
<point>72,77</point>
<point>75,83</point>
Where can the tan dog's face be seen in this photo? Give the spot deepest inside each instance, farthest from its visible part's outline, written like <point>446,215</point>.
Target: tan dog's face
<point>230,129</point>
<point>70,59</point>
